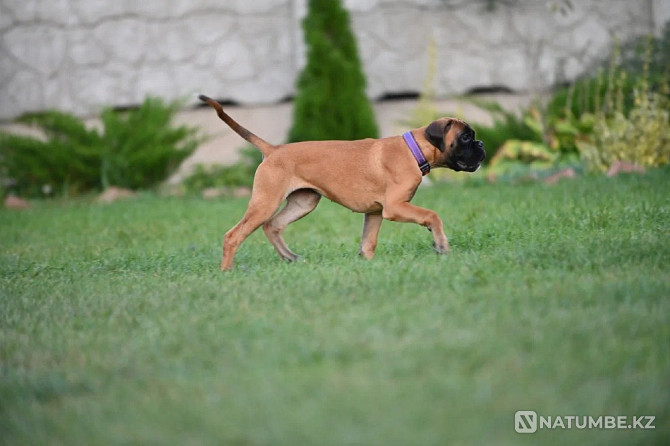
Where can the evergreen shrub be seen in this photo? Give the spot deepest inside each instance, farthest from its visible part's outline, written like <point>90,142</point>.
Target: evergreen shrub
<point>136,149</point>
<point>331,102</point>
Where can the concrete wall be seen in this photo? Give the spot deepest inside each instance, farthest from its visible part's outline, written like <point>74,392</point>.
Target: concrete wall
<point>81,55</point>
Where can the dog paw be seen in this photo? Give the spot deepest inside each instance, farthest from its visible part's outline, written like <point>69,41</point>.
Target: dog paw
<point>292,258</point>
<point>441,248</point>
<point>367,255</point>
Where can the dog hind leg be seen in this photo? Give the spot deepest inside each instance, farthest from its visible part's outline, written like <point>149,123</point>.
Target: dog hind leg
<point>252,220</point>
<point>266,197</point>
<point>298,204</point>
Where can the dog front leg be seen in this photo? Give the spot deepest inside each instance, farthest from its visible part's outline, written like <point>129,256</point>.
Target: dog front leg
<point>371,226</point>
<point>407,212</point>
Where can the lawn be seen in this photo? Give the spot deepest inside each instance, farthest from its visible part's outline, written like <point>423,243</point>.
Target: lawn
<point>116,326</point>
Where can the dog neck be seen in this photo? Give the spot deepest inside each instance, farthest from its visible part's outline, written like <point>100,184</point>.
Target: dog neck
<point>420,158</point>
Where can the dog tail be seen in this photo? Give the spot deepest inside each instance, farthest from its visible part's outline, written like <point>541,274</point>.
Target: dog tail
<point>265,147</point>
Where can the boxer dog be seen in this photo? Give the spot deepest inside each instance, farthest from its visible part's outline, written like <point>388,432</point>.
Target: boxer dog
<point>376,177</point>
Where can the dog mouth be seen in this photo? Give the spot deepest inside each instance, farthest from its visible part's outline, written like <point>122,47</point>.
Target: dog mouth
<point>462,166</point>
<point>467,168</point>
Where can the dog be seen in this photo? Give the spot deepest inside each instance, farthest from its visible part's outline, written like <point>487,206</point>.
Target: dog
<point>375,177</point>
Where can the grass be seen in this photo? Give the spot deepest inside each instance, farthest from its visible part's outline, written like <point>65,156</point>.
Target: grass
<point>116,326</point>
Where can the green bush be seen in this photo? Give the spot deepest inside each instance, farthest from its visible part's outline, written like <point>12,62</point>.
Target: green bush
<point>141,148</point>
<point>331,101</point>
<point>136,149</point>
<point>542,144</point>
<point>238,174</point>
<point>639,135</point>
<point>618,114</point>
<point>67,159</point>
<point>586,95</point>
<point>590,93</point>
<point>506,125</point>
<point>655,51</point>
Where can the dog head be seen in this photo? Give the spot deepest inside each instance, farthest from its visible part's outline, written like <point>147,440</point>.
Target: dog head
<point>456,142</point>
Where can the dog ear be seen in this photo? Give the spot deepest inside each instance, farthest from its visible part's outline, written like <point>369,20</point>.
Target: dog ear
<point>435,133</point>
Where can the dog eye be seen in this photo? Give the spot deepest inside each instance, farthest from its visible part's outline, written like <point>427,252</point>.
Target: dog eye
<point>466,138</point>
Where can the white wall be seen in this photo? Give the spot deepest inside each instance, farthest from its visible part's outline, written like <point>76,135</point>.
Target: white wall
<point>82,55</point>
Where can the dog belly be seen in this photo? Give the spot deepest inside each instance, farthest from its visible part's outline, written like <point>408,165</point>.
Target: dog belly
<point>362,205</point>
<point>355,197</point>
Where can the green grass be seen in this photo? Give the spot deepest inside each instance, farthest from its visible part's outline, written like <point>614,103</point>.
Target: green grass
<point>116,326</point>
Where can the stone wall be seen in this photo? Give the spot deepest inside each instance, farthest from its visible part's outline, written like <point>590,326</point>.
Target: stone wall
<point>81,55</point>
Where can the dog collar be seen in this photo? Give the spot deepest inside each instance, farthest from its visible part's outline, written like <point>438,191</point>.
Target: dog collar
<point>418,155</point>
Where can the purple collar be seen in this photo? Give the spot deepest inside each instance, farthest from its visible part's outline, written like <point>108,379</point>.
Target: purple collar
<point>418,155</point>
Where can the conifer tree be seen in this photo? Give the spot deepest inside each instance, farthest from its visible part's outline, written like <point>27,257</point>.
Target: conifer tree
<point>330,102</point>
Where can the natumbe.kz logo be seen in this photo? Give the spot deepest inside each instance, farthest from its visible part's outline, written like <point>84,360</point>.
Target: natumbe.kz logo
<point>529,422</point>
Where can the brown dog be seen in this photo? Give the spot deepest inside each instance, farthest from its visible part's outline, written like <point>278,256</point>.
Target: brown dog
<point>377,177</point>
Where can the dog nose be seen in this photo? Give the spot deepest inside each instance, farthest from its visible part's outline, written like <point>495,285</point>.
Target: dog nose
<point>480,145</point>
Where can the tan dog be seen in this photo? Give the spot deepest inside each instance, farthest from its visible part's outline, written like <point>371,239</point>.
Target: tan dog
<point>376,177</point>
